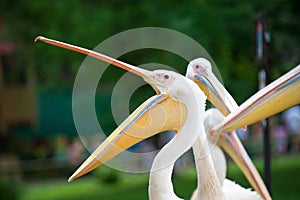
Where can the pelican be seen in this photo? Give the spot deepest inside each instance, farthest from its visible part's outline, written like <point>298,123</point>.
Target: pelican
<point>276,97</point>
<point>122,138</point>
<point>200,70</point>
<point>191,102</point>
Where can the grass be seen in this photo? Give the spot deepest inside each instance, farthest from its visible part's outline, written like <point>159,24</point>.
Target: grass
<point>285,183</point>
<point>132,187</point>
<point>285,174</point>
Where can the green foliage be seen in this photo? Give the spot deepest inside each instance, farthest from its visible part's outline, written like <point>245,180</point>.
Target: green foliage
<point>224,28</point>
<point>9,190</point>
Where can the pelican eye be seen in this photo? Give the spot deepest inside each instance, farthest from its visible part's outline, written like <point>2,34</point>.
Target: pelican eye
<point>166,76</point>
<point>197,66</point>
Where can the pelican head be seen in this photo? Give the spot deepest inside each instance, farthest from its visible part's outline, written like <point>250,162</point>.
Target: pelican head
<point>200,71</point>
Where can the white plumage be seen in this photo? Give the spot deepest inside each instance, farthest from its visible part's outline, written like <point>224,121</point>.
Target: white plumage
<point>160,183</point>
<point>231,190</point>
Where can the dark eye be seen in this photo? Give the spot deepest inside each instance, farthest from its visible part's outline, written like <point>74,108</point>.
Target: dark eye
<point>197,66</point>
<point>166,76</point>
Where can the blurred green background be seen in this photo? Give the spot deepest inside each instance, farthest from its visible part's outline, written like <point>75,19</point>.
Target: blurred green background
<point>36,143</point>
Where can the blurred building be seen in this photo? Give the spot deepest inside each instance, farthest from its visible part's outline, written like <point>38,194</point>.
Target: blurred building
<point>17,90</point>
<point>18,106</point>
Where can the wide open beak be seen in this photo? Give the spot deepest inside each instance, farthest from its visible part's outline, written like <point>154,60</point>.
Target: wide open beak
<point>234,148</point>
<point>281,94</point>
<point>157,114</point>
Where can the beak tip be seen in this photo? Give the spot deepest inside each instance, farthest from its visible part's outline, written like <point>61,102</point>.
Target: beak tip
<point>38,38</point>
<point>69,180</point>
<point>72,178</point>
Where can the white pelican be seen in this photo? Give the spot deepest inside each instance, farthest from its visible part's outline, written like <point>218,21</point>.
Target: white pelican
<point>123,137</point>
<point>200,70</point>
<point>171,85</point>
<point>279,95</point>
